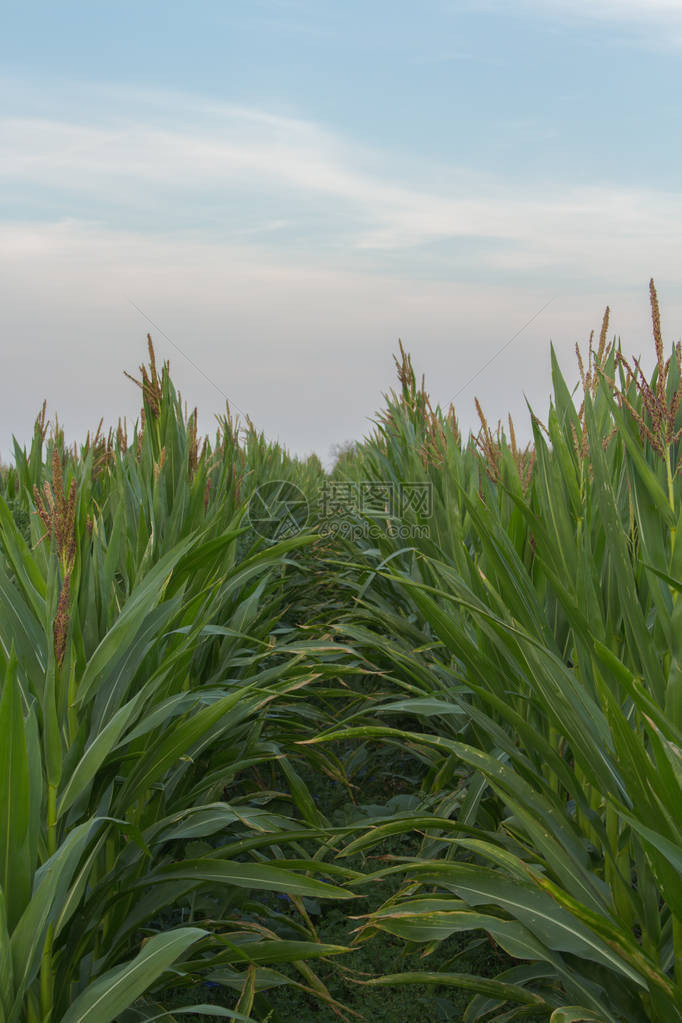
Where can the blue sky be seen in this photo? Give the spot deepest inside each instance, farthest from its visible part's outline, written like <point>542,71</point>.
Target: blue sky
<point>286,187</point>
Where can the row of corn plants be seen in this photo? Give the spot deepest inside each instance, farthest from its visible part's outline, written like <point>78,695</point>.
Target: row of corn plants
<point>525,644</point>
<point>149,664</point>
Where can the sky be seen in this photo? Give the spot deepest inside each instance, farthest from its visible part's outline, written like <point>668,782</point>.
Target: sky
<point>279,190</point>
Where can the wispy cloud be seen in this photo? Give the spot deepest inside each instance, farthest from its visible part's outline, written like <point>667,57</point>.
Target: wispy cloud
<point>657,22</point>
<point>622,10</point>
<point>639,9</point>
<point>249,173</point>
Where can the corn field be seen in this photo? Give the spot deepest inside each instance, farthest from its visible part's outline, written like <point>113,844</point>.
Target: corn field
<point>178,684</point>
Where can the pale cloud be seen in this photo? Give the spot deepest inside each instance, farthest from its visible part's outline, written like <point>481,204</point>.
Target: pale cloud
<point>306,350</point>
<point>636,9</point>
<point>285,165</point>
<point>621,10</point>
<point>652,24</point>
<point>643,24</point>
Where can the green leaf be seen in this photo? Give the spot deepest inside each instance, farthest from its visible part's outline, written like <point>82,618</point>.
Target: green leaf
<point>6,966</point>
<point>50,892</point>
<point>115,990</point>
<point>15,796</point>
<point>280,951</point>
<point>576,1014</point>
<point>203,1010</point>
<point>96,753</point>
<point>465,981</point>
<point>257,876</point>
<point>247,994</point>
